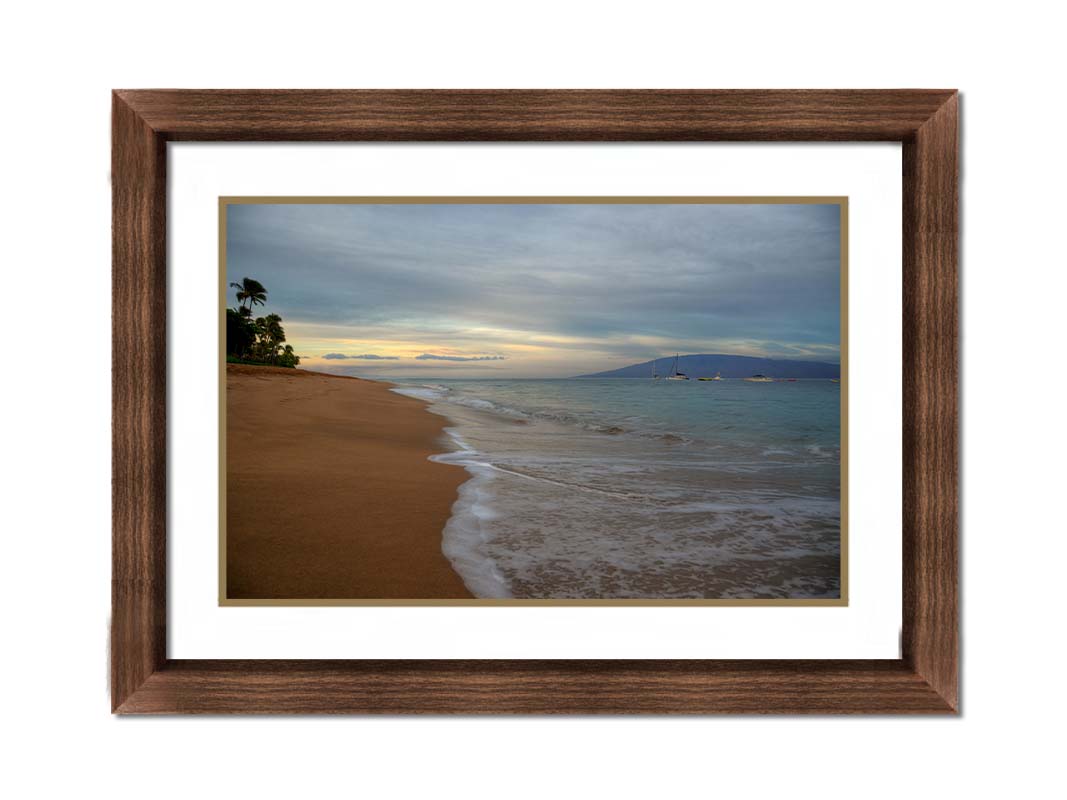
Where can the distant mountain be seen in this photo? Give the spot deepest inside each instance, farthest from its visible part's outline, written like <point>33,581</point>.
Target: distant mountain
<point>705,366</point>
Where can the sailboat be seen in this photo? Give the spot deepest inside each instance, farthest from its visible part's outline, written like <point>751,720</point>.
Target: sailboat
<point>675,374</point>
<point>655,375</point>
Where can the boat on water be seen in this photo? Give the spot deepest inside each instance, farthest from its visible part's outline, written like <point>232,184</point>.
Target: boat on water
<point>718,377</point>
<point>835,380</point>
<point>655,375</point>
<point>757,378</point>
<point>675,374</point>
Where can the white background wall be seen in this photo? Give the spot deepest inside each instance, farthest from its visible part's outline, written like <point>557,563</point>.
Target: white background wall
<point>58,65</point>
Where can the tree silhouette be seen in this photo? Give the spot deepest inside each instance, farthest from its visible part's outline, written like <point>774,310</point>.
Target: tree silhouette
<point>251,291</point>
<point>259,340</point>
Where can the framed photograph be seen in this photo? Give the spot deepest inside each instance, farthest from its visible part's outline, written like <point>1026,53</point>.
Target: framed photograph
<point>710,476</point>
<point>535,402</point>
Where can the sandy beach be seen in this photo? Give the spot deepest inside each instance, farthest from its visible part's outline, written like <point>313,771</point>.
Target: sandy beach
<point>329,491</point>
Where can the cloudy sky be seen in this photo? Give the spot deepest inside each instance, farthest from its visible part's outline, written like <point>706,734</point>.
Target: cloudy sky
<point>539,290</point>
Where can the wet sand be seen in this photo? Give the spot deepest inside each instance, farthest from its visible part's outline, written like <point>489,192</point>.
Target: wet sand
<point>329,492</point>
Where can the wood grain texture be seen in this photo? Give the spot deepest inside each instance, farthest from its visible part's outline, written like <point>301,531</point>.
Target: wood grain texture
<point>924,680</point>
<point>536,687</point>
<point>536,115</point>
<point>930,640</point>
<point>139,402</point>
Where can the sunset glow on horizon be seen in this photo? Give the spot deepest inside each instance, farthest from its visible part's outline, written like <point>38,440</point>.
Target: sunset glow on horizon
<point>540,290</point>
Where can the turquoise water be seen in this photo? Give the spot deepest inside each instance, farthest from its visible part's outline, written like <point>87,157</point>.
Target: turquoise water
<point>617,488</point>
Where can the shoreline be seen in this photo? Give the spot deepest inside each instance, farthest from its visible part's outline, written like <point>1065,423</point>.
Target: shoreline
<point>331,493</point>
<point>590,499</point>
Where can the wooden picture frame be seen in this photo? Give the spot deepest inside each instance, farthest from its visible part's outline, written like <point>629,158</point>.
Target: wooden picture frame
<point>923,680</point>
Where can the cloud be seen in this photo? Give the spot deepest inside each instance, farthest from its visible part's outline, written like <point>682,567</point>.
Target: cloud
<point>365,357</point>
<point>555,288</point>
<point>430,356</point>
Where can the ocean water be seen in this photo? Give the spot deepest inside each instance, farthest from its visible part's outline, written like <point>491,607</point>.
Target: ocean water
<point>617,488</point>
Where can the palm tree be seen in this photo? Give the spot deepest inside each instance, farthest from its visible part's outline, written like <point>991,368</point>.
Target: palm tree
<point>271,336</point>
<point>288,358</point>
<point>240,332</point>
<point>250,290</point>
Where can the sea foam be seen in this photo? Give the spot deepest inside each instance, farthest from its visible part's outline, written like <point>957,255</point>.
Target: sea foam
<point>692,493</point>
